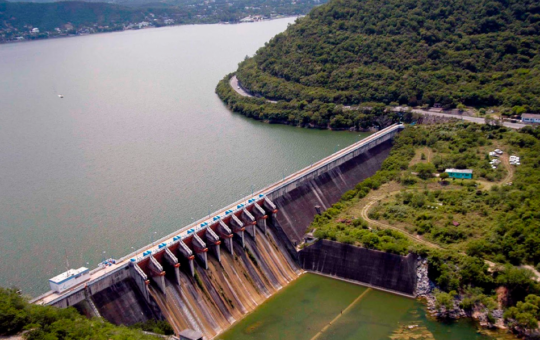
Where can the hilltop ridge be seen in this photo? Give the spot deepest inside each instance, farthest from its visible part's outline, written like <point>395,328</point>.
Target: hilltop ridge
<point>418,53</point>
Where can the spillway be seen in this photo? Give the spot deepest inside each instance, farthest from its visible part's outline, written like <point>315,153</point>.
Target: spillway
<point>214,298</point>
<point>208,275</point>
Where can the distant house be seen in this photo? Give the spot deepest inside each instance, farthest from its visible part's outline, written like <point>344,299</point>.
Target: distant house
<point>459,173</point>
<point>35,30</point>
<point>530,118</point>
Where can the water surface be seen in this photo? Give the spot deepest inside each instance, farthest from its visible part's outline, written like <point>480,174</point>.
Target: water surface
<point>319,308</point>
<point>139,146</point>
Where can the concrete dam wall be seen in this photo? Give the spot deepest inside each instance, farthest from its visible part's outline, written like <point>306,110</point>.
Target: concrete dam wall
<point>299,200</point>
<point>209,274</point>
<point>374,268</point>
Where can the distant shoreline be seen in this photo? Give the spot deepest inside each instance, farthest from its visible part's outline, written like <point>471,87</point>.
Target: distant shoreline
<point>146,28</point>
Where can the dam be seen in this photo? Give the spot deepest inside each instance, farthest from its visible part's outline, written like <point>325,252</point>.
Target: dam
<point>207,275</point>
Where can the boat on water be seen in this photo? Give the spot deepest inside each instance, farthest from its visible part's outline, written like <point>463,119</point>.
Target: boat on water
<point>60,96</point>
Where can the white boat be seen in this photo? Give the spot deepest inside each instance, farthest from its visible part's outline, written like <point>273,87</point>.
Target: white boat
<point>60,96</point>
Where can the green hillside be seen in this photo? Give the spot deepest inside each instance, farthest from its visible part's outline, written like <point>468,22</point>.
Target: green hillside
<point>37,322</point>
<point>481,236</point>
<point>479,53</point>
<point>62,18</point>
<point>48,16</point>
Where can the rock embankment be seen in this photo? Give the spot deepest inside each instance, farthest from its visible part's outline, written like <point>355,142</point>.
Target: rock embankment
<point>423,285</point>
<point>425,289</point>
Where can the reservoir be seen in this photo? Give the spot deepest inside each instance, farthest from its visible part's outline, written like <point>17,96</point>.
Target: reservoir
<point>139,146</point>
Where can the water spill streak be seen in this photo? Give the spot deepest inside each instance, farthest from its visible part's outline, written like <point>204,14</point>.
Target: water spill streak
<point>215,298</point>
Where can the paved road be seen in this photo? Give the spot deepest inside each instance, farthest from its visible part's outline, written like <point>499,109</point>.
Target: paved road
<point>467,118</point>
<point>240,90</point>
<point>234,84</point>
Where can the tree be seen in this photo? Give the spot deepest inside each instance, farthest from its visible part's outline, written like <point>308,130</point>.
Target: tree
<point>444,176</point>
<point>370,240</point>
<point>425,170</point>
<point>523,315</point>
<point>518,281</point>
<point>445,300</point>
<point>48,322</point>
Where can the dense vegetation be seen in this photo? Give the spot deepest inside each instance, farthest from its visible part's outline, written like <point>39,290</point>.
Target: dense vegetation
<point>48,16</point>
<point>18,18</point>
<point>350,52</point>
<point>154,326</point>
<point>45,322</point>
<point>500,223</point>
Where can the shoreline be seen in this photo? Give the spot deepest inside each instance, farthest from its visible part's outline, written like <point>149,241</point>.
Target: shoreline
<point>10,42</point>
<point>233,85</point>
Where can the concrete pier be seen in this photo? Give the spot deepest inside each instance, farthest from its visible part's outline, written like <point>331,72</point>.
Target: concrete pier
<point>270,209</point>
<point>188,256</point>
<point>226,235</point>
<point>141,280</point>
<point>172,260</point>
<point>157,273</point>
<point>270,206</point>
<point>213,242</point>
<point>249,222</point>
<point>238,229</point>
<point>201,250</point>
<point>261,217</point>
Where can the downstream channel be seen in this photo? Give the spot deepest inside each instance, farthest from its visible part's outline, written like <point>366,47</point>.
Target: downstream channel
<point>315,307</point>
<point>139,146</point>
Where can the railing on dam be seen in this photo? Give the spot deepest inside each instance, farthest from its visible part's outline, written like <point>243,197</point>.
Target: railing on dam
<point>269,189</point>
<point>203,223</point>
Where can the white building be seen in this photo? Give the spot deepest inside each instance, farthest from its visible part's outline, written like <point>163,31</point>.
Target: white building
<point>530,118</point>
<point>69,279</point>
<point>35,30</point>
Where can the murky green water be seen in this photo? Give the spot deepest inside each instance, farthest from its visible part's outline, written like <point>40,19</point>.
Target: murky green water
<point>304,309</point>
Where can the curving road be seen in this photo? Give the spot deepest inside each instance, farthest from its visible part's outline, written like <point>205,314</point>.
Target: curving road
<point>236,87</point>
<point>467,118</point>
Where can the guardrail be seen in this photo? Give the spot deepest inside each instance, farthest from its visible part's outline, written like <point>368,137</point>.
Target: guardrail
<point>272,187</point>
<point>259,194</point>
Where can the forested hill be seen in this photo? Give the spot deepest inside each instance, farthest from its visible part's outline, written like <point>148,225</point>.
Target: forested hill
<point>474,52</point>
<point>48,16</point>
<point>30,21</point>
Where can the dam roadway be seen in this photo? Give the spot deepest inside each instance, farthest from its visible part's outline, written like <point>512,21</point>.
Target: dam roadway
<point>50,298</point>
